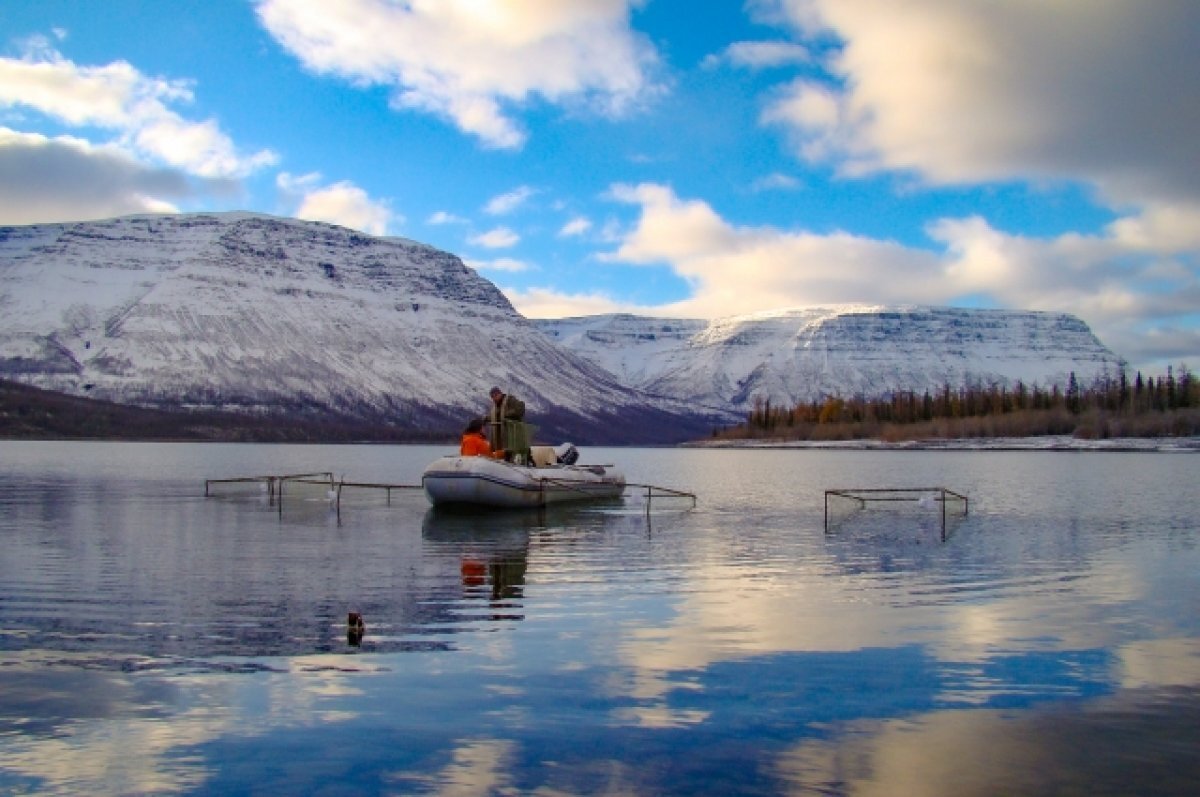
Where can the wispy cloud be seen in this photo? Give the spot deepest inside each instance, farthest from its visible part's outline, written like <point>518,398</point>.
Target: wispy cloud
<point>472,64</point>
<point>443,217</point>
<point>497,238</point>
<point>504,264</point>
<point>759,55</point>
<point>575,227</point>
<point>508,202</point>
<point>776,181</point>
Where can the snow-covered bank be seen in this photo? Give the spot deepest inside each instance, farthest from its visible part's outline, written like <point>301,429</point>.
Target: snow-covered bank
<point>1045,443</point>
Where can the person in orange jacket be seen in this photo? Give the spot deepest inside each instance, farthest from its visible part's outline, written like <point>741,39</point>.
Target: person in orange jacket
<point>475,444</point>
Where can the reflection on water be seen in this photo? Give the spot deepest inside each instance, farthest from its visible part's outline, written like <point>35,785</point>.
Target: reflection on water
<point>492,556</point>
<point>1129,744</point>
<point>155,640</point>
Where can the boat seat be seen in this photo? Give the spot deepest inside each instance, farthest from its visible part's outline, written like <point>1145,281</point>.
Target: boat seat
<point>543,456</point>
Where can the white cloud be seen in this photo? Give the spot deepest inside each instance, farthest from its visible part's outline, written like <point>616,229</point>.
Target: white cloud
<point>505,264</point>
<point>498,238</point>
<point>820,117</point>
<point>442,217</point>
<point>759,55</point>
<point>1103,93</point>
<point>471,62</point>
<point>1136,298</point>
<point>342,203</point>
<point>67,179</point>
<point>118,98</point>
<point>736,270</point>
<point>507,203</point>
<point>575,227</point>
<point>1161,228</point>
<point>546,303</point>
<point>776,181</point>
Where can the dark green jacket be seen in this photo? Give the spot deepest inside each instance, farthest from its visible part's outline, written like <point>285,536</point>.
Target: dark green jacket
<point>510,408</point>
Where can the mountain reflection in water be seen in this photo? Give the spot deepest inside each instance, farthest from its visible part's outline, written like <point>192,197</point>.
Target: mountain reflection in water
<point>155,640</point>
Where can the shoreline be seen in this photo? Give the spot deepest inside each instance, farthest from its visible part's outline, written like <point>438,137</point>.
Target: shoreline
<point>1044,443</point>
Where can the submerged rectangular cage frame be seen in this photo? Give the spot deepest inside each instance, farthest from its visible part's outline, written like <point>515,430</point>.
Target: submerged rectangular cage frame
<point>274,486</point>
<point>918,495</point>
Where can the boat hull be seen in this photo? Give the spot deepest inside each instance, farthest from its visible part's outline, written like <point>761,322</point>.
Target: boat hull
<point>481,481</point>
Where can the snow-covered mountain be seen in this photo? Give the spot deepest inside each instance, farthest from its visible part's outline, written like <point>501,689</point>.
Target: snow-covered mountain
<point>801,355</point>
<point>257,314</point>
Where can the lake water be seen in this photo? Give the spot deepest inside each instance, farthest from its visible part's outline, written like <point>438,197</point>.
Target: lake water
<point>157,641</point>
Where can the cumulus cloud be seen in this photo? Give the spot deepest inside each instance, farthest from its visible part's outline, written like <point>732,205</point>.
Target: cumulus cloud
<point>759,55</point>
<point>138,109</point>
<point>342,203</point>
<point>46,179</point>
<point>1134,289</point>
<point>546,303</point>
<point>473,63</point>
<point>498,238</point>
<point>974,92</point>
<point>508,202</point>
<point>735,270</point>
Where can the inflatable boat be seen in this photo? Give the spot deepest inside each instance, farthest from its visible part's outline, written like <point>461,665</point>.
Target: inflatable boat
<point>552,477</point>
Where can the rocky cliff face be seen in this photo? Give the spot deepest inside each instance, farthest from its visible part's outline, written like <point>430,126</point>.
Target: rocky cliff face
<point>265,315</point>
<point>801,355</point>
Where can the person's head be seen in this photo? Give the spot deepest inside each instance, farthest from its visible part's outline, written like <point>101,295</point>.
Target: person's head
<point>475,426</point>
<point>496,393</point>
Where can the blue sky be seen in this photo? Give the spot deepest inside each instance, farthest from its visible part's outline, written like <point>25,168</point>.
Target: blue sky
<point>661,157</point>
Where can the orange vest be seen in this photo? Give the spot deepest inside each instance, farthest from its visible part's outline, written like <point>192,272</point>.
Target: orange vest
<point>475,444</point>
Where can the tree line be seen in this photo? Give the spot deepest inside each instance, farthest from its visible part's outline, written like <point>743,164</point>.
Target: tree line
<point>1111,406</point>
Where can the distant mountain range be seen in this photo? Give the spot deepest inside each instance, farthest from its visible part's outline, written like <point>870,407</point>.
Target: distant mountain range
<point>804,355</point>
<point>282,318</point>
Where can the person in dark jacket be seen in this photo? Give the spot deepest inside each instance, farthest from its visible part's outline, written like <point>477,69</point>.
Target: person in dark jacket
<point>506,410</point>
<point>505,407</point>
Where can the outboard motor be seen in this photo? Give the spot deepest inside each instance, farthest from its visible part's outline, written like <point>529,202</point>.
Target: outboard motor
<point>567,453</point>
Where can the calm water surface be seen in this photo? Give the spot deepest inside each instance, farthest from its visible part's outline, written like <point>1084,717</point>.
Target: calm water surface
<point>153,640</point>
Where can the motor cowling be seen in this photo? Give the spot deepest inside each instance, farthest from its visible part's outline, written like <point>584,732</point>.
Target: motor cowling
<point>567,453</point>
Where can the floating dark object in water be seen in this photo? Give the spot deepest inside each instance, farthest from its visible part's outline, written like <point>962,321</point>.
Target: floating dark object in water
<point>355,628</point>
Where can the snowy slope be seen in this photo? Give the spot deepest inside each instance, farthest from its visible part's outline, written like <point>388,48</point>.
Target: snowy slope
<point>258,314</point>
<point>253,313</point>
<point>800,355</point>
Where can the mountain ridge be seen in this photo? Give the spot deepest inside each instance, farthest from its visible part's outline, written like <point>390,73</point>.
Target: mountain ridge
<point>261,315</point>
<point>799,355</point>
<point>268,316</point>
